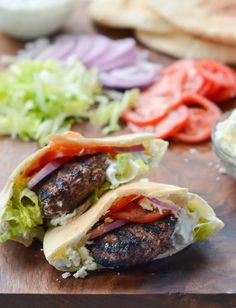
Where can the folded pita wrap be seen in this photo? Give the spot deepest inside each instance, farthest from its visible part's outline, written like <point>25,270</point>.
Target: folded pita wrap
<point>88,242</point>
<point>128,157</point>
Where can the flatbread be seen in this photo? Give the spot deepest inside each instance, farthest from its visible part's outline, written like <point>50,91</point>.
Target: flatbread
<point>134,14</point>
<point>211,19</point>
<point>75,231</point>
<point>182,45</point>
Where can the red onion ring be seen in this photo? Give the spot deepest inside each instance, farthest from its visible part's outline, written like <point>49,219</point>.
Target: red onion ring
<point>46,170</point>
<point>122,53</point>
<point>165,205</point>
<point>83,46</point>
<point>60,49</point>
<point>134,148</point>
<point>100,45</point>
<point>106,228</point>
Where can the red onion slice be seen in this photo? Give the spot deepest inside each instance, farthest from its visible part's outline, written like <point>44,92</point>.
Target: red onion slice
<point>33,49</point>
<point>134,148</point>
<point>121,53</point>
<point>127,82</point>
<point>60,49</point>
<point>46,170</point>
<point>100,230</point>
<point>166,205</point>
<point>83,47</point>
<point>100,45</point>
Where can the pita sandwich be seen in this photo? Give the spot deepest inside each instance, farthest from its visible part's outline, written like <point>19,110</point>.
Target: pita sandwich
<point>133,224</point>
<point>65,178</point>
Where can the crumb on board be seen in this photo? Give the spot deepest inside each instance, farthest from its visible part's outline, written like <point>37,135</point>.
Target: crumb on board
<point>66,275</point>
<point>186,160</point>
<point>222,170</point>
<point>210,164</point>
<point>193,151</point>
<point>217,178</point>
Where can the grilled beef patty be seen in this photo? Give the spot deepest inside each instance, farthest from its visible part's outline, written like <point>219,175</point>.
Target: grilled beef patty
<point>67,187</point>
<point>134,243</point>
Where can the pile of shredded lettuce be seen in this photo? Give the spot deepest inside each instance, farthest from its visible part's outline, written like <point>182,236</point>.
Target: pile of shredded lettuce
<point>38,98</point>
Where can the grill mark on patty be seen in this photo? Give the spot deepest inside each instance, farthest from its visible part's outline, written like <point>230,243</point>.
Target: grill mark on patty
<point>69,186</point>
<point>134,243</point>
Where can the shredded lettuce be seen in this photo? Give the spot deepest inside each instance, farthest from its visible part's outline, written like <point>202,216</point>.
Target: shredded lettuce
<point>100,191</point>
<point>203,230</point>
<point>107,115</point>
<point>22,216</point>
<point>125,168</point>
<point>208,223</point>
<point>38,98</point>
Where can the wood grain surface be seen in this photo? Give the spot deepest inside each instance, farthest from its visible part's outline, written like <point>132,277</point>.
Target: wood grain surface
<point>201,275</point>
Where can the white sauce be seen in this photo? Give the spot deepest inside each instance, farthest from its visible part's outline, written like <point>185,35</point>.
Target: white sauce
<point>62,219</point>
<point>33,18</point>
<point>226,134</point>
<point>183,235</point>
<point>184,230</point>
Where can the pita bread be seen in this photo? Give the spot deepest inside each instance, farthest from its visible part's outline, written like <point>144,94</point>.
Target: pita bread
<point>182,45</point>
<point>134,14</point>
<point>211,19</point>
<point>58,239</point>
<point>72,138</point>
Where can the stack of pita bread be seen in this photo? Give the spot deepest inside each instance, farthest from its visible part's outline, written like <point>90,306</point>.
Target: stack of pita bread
<point>193,29</point>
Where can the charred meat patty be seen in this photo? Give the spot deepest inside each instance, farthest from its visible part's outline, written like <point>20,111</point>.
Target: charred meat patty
<point>67,187</point>
<point>134,243</point>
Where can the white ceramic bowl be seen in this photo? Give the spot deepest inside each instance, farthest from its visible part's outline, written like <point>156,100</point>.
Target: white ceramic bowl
<point>28,19</point>
<point>228,161</point>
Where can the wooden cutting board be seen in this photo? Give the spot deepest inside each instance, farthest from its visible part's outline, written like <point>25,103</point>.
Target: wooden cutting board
<point>203,274</point>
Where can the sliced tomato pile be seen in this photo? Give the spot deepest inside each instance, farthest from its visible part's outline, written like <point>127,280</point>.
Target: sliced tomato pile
<point>128,209</point>
<point>182,104</point>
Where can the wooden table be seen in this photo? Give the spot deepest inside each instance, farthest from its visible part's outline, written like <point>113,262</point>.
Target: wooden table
<point>203,274</point>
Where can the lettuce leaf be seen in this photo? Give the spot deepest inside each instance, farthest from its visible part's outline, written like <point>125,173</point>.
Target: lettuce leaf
<point>125,168</point>
<point>100,191</point>
<point>208,223</point>
<point>204,230</point>
<point>22,216</point>
<point>107,115</point>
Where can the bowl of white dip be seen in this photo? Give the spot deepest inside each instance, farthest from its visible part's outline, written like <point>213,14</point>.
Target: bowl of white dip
<point>28,19</point>
<point>224,141</point>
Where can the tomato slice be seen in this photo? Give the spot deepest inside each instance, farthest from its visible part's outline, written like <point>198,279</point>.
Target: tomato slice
<point>142,117</point>
<point>201,119</point>
<point>135,213</point>
<point>122,202</point>
<point>171,124</point>
<point>152,107</point>
<point>167,127</point>
<point>217,73</point>
<point>67,149</point>
<point>224,95</point>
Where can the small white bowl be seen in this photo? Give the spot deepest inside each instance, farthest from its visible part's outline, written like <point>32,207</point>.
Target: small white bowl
<point>228,161</point>
<point>29,19</point>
